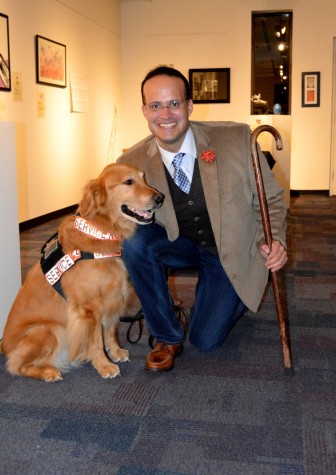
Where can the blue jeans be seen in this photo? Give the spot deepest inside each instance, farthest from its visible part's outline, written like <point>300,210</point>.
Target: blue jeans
<point>217,307</point>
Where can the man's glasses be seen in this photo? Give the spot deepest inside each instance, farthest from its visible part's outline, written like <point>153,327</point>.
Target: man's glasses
<point>174,105</point>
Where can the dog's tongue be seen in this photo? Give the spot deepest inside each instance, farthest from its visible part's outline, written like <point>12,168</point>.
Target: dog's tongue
<point>144,214</point>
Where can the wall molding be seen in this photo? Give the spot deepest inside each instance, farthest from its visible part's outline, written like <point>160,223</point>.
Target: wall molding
<point>31,223</point>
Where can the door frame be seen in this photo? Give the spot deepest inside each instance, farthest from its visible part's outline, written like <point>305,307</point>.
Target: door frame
<point>332,187</point>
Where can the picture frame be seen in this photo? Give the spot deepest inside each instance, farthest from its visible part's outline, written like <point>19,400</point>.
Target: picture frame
<point>50,62</point>
<point>5,71</point>
<point>211,85</point>
<point>311,89</point>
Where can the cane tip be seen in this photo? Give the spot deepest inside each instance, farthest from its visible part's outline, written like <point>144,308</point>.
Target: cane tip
<point>289,371</point>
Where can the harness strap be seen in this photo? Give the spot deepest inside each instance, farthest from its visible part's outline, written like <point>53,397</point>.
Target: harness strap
<point>54,263</point>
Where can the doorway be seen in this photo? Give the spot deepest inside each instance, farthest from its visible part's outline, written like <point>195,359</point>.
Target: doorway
<point>271,63</point>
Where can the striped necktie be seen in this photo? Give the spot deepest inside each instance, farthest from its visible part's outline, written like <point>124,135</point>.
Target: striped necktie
<point>180,178</point>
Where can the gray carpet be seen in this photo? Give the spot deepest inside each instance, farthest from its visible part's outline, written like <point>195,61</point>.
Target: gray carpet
<point>232,411</point>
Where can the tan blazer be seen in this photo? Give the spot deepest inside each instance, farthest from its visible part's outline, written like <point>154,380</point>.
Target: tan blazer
<point>231,198</point>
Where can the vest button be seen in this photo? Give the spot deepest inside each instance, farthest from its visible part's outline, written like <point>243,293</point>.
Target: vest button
<point>196,218</point>
<point>203,243</point>
<point>200,231</point>
<point>190,203</point>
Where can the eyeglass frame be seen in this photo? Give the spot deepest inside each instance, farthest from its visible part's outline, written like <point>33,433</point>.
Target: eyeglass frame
<point>169,106</point>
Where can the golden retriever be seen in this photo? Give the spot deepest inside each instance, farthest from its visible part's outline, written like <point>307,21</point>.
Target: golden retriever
<point>45,333</point>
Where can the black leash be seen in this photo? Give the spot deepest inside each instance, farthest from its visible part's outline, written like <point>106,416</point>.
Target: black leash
<point>138,320</point>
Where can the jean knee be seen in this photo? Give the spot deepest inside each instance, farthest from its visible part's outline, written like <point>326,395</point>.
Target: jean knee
<point>139,242</point>
<point>203,345</point>
<point>132,245</point>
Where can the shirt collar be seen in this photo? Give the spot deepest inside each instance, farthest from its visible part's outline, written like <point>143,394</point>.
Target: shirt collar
<point>188,147</point>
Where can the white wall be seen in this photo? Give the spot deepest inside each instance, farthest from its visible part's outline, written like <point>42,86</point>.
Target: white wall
<point>10,268</point>
<point>115,45</point>
<point>58,154</point>
<point>314,29</point>
<point>217,33</point>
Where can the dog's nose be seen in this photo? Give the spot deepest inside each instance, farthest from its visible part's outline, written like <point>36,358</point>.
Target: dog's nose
<point>158,198</point>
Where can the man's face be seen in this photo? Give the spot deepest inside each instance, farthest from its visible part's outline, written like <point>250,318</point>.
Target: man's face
<point>168,125</point>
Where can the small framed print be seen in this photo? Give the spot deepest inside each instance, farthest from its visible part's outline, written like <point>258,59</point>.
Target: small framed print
<point>50,62</point>
<point>210,85</point>
<point>311,89</point>
<point>5,72</point>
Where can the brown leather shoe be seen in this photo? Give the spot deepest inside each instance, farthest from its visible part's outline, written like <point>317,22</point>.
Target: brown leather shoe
<point>162,357</point>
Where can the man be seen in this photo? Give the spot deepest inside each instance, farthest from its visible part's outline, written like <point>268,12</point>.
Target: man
<point>210,219</point>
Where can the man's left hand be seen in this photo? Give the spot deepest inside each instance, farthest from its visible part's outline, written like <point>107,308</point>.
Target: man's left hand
<point>276,257</point>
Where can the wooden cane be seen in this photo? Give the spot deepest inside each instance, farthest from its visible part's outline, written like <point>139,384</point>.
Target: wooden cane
<point>283,329</point>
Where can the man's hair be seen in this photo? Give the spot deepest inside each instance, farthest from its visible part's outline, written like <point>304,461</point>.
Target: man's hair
<point>164,70</point>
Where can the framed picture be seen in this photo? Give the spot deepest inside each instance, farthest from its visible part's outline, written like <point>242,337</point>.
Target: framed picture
<point>311,89</point>
<point>5,73</point>
<point>50,62</point>
<point>210,85</point>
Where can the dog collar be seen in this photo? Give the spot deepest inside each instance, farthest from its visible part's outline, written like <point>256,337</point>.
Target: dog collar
<point>87,228</point>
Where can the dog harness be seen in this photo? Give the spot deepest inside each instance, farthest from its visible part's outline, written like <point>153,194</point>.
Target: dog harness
<point>54,263</point>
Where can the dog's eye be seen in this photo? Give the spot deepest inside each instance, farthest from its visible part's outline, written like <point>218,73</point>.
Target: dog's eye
<point>130,181</point>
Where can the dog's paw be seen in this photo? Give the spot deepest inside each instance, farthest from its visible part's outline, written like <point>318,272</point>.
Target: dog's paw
<point>108,370</point>
<point>120,355</point>
<point>117,354</point>
<point>51,375</point>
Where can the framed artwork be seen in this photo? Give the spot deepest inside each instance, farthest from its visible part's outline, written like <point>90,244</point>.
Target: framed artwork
<point>50,62</point>
<point>210,85</point>
<point>5,73</point>
<point>311,89</point>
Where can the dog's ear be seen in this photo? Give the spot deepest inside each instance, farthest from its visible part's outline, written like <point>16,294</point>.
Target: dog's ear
<point>94,197</point>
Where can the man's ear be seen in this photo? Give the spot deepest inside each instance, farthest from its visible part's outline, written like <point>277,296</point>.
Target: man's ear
<point>144,110</point>
<point>190,107</point>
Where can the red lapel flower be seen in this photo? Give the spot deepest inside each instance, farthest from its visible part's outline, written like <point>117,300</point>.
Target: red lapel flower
<point>208,156</point>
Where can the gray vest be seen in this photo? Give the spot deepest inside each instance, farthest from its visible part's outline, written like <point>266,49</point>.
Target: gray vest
<point>191,211</point>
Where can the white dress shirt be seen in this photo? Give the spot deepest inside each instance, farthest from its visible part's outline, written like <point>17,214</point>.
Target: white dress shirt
<point>189,148</point>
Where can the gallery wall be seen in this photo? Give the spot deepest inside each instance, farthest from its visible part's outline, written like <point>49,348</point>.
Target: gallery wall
<point>217,34</point>
<point>114,44</point>
<point>58,151</point>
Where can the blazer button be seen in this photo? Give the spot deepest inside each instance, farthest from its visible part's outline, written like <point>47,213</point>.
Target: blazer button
<point>190,203</point>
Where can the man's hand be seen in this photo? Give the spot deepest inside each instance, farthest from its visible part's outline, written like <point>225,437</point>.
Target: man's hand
<point>275,258</point>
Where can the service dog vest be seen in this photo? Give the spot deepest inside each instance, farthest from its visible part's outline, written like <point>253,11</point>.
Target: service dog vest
<point>54,263</point>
